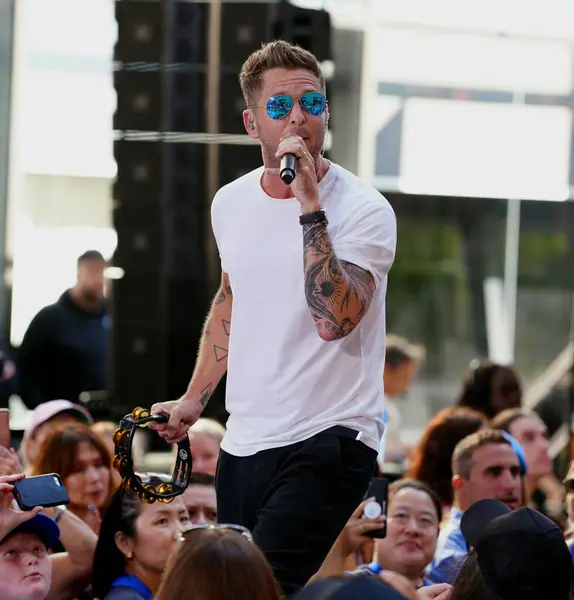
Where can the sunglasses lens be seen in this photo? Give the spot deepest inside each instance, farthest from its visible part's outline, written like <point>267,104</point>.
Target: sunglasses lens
<point>314,103</point>
<point>279,107</point>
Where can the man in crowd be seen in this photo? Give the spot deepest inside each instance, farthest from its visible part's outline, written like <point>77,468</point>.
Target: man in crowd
<point>305,267</point>
<point>65,348</point>
<point>402,360</point>
<point>200,499</point>
<point>484,465</point>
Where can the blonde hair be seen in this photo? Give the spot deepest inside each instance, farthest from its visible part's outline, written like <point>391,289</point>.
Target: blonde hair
<point>275,55</point>
<point>209,427</point>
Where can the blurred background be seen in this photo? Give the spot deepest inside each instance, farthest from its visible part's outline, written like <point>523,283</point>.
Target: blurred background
<point>119,121</point>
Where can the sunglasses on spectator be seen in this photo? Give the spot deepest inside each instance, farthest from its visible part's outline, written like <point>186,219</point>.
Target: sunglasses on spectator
<point>278,107</point>
<point>225,526</point>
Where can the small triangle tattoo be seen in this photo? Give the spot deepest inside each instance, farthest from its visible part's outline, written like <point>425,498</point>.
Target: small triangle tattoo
<point>220,353</point>
<point>226,326</point>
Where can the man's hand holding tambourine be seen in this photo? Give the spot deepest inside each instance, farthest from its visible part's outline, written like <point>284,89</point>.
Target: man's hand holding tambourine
<point>183,413</point>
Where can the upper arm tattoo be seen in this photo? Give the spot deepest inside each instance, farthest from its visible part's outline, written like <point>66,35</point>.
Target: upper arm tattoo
<point>338,292</point>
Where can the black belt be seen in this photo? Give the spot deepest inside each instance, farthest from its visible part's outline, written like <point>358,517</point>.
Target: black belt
<point>343,432</point>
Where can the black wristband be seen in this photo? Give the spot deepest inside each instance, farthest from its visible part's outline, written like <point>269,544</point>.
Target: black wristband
<point>311,218</point>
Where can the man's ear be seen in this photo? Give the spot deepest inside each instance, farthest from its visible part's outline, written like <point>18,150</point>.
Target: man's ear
<point>249,124</point>
<point>457,482</point>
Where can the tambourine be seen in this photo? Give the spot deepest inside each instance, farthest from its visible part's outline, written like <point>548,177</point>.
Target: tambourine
<point>124,465</point>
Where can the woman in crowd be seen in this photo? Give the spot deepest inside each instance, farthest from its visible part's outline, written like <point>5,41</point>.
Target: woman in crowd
<point>490,388</point>
<point>83,462</point>
<point>413,517</point>
<point>217,563</point>
<point>45,419</point>
<point>135,542</point>
<point>433,455</point>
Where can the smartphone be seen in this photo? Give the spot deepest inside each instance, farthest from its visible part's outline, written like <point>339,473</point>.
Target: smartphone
<point>5,436</point>
<point>379,489</point>
<point>41,490</point>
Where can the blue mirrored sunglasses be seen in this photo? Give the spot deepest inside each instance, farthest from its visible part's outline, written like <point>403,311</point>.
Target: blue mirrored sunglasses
<point>278,107</point>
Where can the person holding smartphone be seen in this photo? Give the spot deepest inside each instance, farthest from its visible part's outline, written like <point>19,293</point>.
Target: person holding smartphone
<point>298,324</point>
<point>401,541</point>
<point>27,570</point>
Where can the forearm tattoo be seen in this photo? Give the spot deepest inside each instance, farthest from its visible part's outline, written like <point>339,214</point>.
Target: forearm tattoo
<point>213,329</point>
<point>338,292</point>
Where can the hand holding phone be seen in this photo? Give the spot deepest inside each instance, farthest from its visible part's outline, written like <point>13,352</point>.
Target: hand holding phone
<point>42,490</point>
<point>10,518</point>
<point>379,490</point>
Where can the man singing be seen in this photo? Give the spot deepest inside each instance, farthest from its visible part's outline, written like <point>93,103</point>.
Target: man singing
<point>298,323</point>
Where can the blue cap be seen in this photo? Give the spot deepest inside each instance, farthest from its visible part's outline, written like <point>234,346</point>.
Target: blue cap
<point>519,450</point>
<point>45,528</point>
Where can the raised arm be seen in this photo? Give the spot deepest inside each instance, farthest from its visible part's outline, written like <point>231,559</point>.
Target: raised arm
<point>72,570</point>
<point>338,292</point>
<point>211,362</point>
<point>340,278</point>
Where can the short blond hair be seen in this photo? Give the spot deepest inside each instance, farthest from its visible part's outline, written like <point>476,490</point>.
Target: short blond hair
<point>399,350</point>
<point>208,427</point>
<point>205,426</point>
<point>275,55</point>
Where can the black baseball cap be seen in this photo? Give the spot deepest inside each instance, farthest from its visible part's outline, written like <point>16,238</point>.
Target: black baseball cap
<point>522,554</point>
<point>356,587</point>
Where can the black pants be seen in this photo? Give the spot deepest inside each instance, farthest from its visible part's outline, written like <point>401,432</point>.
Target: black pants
<point>295,500</point>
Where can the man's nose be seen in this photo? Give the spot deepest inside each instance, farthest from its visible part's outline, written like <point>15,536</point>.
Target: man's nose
<point>201,519</point>
<point>509,480</point>
<point>297,114</point>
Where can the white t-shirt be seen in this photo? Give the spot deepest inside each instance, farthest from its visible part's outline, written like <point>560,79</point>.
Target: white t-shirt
<point>284,383</point>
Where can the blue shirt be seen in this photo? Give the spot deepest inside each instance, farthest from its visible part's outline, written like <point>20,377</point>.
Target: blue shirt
<point>451,550</point>
<point>128,581</point>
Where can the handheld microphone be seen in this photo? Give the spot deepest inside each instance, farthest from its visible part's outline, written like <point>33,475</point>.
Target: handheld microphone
<point>287,170</point>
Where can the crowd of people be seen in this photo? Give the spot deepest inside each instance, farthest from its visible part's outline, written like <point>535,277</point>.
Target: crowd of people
<point>460,522</point>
